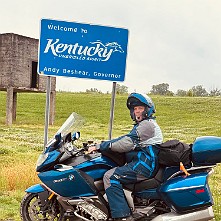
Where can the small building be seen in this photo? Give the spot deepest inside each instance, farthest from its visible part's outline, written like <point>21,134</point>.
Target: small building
<point>18,72</point>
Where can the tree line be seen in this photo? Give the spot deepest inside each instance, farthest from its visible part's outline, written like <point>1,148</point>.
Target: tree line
<point>120,89</point>
<point>195,91</point>
<point>163,89</point>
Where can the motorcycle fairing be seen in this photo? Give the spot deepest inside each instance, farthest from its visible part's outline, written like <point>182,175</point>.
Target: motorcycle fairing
<point>50,159</point>
<point>67,183</point>
<point>187,193</point>
<point>38,188</point>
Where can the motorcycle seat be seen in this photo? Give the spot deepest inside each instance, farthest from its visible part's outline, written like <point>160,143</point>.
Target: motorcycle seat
<point>148,183</point>
<point>161,176</point>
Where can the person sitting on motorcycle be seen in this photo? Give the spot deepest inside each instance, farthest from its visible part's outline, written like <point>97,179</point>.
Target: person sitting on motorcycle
<point>141,157</point>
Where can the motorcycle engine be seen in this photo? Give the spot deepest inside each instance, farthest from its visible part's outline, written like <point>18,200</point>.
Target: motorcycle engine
<point>89,212</point>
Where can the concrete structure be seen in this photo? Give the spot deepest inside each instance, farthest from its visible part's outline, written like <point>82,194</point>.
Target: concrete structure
<point>18,72</point>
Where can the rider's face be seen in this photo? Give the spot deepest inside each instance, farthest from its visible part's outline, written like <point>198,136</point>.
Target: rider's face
<point>138,110</point>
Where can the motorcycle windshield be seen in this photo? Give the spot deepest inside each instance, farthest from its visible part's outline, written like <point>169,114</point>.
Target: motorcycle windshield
<point>73,123</point>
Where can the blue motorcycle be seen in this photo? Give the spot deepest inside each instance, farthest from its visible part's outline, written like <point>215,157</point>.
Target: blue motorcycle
<point>72,186</point>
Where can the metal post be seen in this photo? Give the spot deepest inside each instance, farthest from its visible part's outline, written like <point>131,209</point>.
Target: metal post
<point>47,110</point>
<point>9,106</point>
<point>14,106</point>
<point>112,110</point>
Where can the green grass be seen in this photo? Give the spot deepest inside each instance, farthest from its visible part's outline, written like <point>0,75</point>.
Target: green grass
<point>183,118</point>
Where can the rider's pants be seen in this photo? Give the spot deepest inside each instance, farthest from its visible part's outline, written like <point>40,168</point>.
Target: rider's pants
<point>144,167</point>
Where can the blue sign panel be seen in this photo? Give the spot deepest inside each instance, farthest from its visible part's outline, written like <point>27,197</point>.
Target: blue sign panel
<point>82,50</point>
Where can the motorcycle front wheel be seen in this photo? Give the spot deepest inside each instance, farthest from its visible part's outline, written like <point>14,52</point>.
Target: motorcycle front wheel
<point>31,209</point>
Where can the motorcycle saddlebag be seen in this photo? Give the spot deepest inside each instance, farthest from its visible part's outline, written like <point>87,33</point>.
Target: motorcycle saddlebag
<point>186,194</point>
<point>206,151</point>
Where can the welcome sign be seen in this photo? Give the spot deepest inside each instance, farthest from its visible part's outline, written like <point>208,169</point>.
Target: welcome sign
<point>82,50</point>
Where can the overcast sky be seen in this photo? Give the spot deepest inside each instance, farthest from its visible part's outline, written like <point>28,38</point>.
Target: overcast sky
<point>170,41</point>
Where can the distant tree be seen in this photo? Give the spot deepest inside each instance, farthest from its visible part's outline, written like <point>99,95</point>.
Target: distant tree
<point>199,91</point>
<point>170,93</point>
<point>161,89</point>
<point>121,89</point>
<point>189,93</point>
<point>93,91</point>
<point>215,92</point>
<point>181,93</point>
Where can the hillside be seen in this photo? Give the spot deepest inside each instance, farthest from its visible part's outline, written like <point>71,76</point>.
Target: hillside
<point>183,118</point>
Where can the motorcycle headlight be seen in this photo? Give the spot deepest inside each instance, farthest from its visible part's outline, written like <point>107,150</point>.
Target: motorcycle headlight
<point>41,159</point>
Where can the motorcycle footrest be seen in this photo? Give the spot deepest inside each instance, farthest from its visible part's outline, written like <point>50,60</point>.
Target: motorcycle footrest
<point>69,213</point>
<point>138,216</point>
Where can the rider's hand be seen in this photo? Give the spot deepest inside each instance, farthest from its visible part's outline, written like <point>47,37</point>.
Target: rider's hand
<point>91,149</point>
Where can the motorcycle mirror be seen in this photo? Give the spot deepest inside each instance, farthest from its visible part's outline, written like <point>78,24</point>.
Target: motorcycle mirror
<point>76,136</point>
<point>58,137</point>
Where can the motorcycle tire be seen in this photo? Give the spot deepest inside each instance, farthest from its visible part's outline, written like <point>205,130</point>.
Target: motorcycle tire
<point>30,209</point>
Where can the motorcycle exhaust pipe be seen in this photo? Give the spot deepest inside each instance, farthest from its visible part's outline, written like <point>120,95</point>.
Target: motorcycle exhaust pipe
<point>201,215</point>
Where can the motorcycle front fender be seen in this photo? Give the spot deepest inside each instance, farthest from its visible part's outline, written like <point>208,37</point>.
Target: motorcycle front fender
<point>38,188</point>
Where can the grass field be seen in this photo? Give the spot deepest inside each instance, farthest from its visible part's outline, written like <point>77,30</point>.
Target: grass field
<point>183,118</point>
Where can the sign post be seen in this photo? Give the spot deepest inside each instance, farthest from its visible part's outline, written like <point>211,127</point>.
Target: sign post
<point>47,110</point>
<point>112,110</point>
<point>80,50</point>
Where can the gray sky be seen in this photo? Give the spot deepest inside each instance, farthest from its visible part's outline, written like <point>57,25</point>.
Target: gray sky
<point>170,41</point>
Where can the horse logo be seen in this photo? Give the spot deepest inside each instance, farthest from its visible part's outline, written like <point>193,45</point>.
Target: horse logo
<point>110,45</point>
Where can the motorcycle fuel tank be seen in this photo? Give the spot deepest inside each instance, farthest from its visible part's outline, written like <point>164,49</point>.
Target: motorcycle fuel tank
<point>206,150</point>
<point>96,167</point>
<point>187,193</point>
